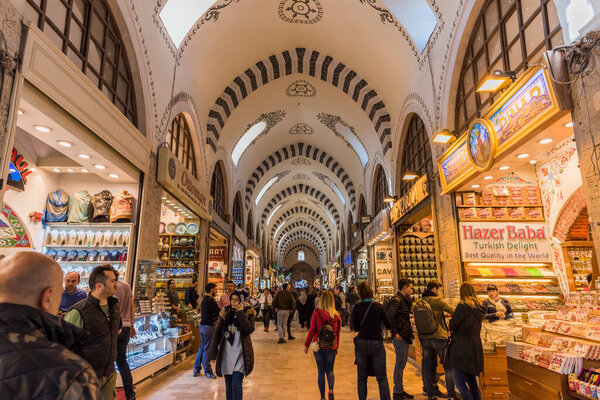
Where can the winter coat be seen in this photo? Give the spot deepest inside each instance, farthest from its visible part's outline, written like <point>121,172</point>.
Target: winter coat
<point>466,350</point>
<point>399,314</point>
<point>320,318</point>
<point>491,310</point>
<point>439,307</point>
<point>284,300</point>
<point>352,298</point>
<point>246,327</point>
<point>35,360</point>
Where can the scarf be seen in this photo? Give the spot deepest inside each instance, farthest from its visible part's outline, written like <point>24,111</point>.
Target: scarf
<point>230,324</point>
<point>498,304</point>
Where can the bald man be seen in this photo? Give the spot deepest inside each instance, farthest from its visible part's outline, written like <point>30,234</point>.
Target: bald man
<point>35,361</point>
<point>72,294</point>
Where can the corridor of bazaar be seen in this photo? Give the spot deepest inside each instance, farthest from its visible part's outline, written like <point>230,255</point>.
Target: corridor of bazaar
<point>189,185</point>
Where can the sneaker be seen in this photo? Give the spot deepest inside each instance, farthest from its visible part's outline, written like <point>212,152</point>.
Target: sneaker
<point>291,338</point>
<point>196,372</point>
<point>210,375</point>
<point>406,396</point>
<point>281,341</point>
<point>330,396</point>
<point>440,394</point>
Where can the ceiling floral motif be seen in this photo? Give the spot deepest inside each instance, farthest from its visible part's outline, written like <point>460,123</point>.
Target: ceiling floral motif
<point>300,11</point>
<point>301,88</point>
<point>301,129</point>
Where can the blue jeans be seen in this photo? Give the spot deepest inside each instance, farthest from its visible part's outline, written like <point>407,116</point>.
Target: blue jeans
<point>202,360</point>
<point>467,385</point>
<point>325,359</point>
<point>401,347</point>
<point>432,348</point>
<point>282,317</point>
<point>233,386</point>
<point>371,353</point>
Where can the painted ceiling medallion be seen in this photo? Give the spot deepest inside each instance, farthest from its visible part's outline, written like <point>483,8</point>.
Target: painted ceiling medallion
<point>301,161</point>
<point>301,88</point>
<point>300,11</point>
<point>301,129</point>
<point>301,177</point>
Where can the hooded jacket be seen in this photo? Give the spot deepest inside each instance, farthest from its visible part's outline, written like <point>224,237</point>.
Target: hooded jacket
<point>466,350</point>
<point>399,314</point>
<point>35,360</point>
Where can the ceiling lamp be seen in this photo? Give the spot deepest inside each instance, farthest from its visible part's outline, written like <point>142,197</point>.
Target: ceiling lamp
<point>523,155</point>
<point>532,161</point>
<point>475,186</point>
<point>84,170</point>
<point>42,128</point>
<point>445,136</point>
<point>569,124</point>
<point>69,169</point>
<point>504,167</point>
<point>55,169</point>
<point>114,176</point>
<point>99,166</point>
<point>65,143</point>
<point>84,156</point>
<point>545,141</point>
<point>20,112</point>
<point>390,199</point>
<point>496,81</point>
<point>410,176</point>
<point>487,178</point>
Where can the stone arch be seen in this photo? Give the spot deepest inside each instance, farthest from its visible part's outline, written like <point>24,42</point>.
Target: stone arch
<point>301,210</point>
<point>301,246</point>
<point>302,271</point>
<point>304,224</point>
<point>569,214</point>
<point>297,150</point>
<point>302,234</point>
<point>298,189</point>
<point>300,61</point>
<point>219,168</point>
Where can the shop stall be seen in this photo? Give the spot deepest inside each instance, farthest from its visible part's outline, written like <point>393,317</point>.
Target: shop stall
<point>253,268</point>
<point>217,259</point>
<point>378,236</point>
<point>238,257</point>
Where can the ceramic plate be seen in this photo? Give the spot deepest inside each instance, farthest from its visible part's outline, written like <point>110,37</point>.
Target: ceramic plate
<point>192,229</point>
<point>170,228</point>
<point>180,228</point>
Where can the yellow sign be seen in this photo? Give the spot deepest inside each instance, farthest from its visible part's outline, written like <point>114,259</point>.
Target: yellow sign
<point>182,184</point>
<point>530,103</point>
<point>417,193</point>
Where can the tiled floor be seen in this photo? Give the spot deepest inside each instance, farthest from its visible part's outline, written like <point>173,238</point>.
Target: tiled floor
<point>281,371</point>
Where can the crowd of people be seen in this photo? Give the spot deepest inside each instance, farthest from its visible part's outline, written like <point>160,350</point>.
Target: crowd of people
<point>67,342</point>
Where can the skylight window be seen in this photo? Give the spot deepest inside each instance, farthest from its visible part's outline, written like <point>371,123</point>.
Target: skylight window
<point>334,187</point>
<point>300,255</point>
<point>416,17</point>
<point>264,189</point>
<point>273,213</point>
<point>355,143</point>
<point>246,139</point>
<point>179,16</point>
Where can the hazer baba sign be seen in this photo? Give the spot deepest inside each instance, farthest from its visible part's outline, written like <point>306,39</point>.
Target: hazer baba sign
<point>504,242</point>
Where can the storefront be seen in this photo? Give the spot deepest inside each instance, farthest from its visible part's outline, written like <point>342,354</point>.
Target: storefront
<point>218,270</point>
<point>253,268</point>
<point>378,237</point>
<point>415,244</point>
<point>523,226</point>
<point>238,258</point>
<point>184,216</point>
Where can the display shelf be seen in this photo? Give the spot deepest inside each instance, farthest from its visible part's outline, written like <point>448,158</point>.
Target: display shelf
<point>100,262</point>
<point>84,247</point>
<point>578,262</point>
<point>132,347</point>
<point>417,259</point>
<point>509,206</point>
<point>90,224</point>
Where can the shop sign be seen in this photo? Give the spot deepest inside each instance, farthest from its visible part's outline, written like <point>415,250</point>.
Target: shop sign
<point>504,242</point>
<point>528,105</point>
<point>357,240</point>
<point>348,259</point>
<point>17,171</point>
<point>216,259</point>
<point>380,224</point>
<point>181,183</point>
<point>417,193</point>
<point>383,263</point>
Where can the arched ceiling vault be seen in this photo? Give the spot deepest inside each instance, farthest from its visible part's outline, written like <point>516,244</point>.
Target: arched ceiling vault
<point>298,234</point>
<point>305,212</point>
<point>304,224</point>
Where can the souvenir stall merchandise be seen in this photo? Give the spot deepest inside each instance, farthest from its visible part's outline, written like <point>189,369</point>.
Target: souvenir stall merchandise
<point>378,237</point>
<point>237,263</point>
<point>217,261</point>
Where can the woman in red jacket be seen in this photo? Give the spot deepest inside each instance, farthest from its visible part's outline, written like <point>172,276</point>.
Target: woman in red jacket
<point>325,315</point>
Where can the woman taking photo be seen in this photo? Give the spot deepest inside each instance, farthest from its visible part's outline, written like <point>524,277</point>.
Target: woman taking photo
<point>266,307</point>
<point>466,351</point>
<point>367,318</point>
<point>231,346</point>
<point>324,316</point>
<point>497,307</point>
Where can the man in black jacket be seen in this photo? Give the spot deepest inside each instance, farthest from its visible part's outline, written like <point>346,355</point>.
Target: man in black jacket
<point>35,361</point>
<point>209,312</point>
<point>399,315</point>
<point>100,316</point>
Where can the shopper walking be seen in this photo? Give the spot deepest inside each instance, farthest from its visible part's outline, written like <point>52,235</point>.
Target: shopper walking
<point>231,346</point>
<point>266,307</point>
<point>402,335</point>
<point>433,335</point>
<point>127,311</point>
<point>466,351</point>
<point>325,331</point>
<point>35,360</point>
<point>301,307</point>
<point>367,318</point>
<point>284,304</point>
<point>209,314</point>
<point>309,308</point>
<point>224,300</point>
<point>99,314</point>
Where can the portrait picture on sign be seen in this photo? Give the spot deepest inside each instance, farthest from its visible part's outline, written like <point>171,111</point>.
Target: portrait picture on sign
<point>480,144</point>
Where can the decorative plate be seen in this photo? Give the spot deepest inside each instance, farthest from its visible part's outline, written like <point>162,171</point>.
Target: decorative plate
<point>180,228</point>
<point>170,228</point>
<point>192,229</point>
<point>161,228</point>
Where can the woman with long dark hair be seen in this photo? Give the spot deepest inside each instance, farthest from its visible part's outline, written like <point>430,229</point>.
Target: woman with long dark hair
<point>465,355</point>
<point>367,318</point>
<point>266,307</point>
<point>231,345</point>
<point>325,316</point>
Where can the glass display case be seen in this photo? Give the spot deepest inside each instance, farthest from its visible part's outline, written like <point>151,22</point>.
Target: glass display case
<point>150,350</point>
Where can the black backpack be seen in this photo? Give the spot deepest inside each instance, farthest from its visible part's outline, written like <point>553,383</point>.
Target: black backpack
<point>326,334</point>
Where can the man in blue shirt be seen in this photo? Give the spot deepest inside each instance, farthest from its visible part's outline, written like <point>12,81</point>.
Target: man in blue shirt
<point>71,294</point>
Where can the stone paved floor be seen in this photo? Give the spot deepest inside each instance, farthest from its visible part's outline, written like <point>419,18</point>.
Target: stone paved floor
<point>281,371</point>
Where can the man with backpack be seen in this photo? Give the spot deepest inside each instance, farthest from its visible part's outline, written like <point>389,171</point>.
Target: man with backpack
<point>433,335</point>
<point>399,308</point>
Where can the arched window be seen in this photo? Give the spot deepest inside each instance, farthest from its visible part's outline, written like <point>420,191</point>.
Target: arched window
<point>349,236</point>
<point>362,208</point>
<point>249,226</point>
<point>217,191</point>
<point>416,153</point>
<point>237,210</point>
<point>508,36</point>
<point>180,142</point>
<point>86,32</point>
<point>381,190</point>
